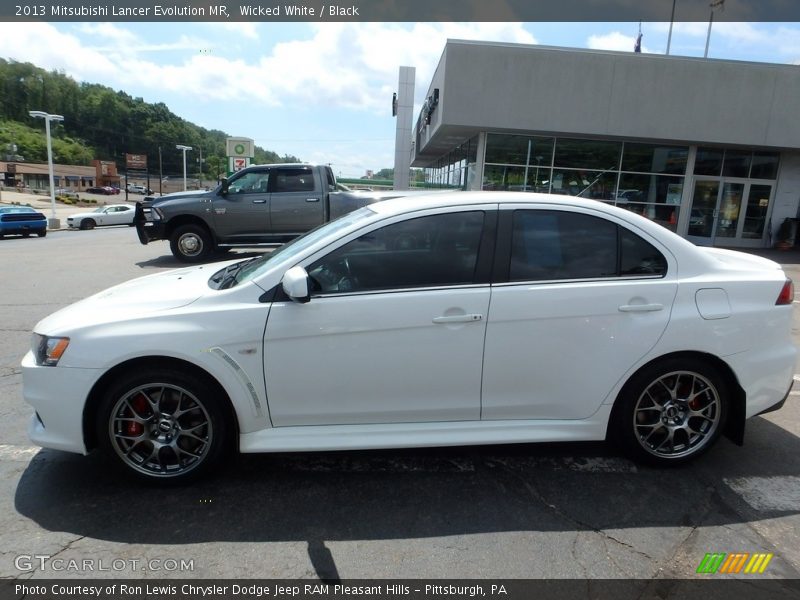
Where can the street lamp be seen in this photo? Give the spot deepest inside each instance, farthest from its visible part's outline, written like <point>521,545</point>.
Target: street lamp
<point>53,223</point>
<point>184,148</point>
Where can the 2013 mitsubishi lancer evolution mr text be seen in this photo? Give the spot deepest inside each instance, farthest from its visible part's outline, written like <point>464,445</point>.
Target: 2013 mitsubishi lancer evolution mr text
<point>442,320</point>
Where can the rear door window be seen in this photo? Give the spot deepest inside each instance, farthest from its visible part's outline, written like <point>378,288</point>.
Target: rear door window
<point>551,245</point>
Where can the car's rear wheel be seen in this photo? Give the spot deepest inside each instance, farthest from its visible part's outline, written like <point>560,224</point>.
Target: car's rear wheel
<point>671,412</point>
<point>190,243</point>
<point>162,425</point>
<point>42,233</point>
<point>88,224</point>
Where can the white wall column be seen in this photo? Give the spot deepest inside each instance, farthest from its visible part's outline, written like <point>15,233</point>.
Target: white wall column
<point>403,137</point>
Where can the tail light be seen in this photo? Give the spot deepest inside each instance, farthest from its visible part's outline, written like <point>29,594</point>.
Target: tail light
<point>787,294</point>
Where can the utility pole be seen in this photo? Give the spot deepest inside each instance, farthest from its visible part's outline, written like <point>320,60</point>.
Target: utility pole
<point>54,223</point>
<point>184,149</point>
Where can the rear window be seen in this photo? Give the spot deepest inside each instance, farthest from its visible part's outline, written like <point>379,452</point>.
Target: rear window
<point>294,180</point>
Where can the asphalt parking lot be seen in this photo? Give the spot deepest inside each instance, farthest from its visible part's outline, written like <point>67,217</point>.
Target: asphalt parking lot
<point>547,511</point>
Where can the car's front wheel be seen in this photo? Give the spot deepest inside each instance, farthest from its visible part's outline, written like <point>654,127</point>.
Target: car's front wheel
<point>88,224</point>
<point>164,425</point>
<point>42,233</point>
<point>671,412</point>
<point>190,243</point>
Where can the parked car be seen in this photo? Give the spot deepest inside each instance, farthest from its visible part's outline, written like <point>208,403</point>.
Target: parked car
<point>22,220</point>
<point>138,189</point>
<point>113,214</point>
<point>99,190</point>
<point>450,319</point>
<point>66,192</point>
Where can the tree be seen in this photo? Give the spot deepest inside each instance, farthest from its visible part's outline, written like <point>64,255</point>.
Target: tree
<point>98,122</point>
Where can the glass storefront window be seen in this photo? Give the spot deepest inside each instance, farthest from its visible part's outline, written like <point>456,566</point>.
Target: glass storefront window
<point>737,163</point>
<point>506,178</point>
<point>518,150</point>
<point>765,165</point>
<point>708,162</point>
<point>597,185</point>
<point>587,154</point>
<point>756,215</point>
<point>657,197</point>
<point>666,216</point>
<point>651,158</point>
<point>453,169</point>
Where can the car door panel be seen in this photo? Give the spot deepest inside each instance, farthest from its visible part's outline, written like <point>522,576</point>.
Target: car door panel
<point>393,331</point>
<point>578,300</point>
<point>376,358</point>
<point>243,212</point>
<point>555,351</point>
<point>297,202</point>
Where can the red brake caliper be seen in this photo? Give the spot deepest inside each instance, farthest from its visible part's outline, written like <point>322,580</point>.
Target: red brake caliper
<point>140,405</point>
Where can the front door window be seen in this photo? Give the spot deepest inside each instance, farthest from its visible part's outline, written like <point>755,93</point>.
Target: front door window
<point>730,207</point>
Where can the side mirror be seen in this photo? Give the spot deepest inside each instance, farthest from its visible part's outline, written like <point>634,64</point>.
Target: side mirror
<point>295,284</point>
<point>224,189</point>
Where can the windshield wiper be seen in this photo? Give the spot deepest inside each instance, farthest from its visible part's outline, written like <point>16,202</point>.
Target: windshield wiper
<point>227,277</point>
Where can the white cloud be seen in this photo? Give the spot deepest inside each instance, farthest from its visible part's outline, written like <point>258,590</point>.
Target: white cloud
<point>348,65</point>
<point>245,29</point>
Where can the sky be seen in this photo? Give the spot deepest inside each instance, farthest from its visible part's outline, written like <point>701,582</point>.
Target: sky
<point>322,91</point>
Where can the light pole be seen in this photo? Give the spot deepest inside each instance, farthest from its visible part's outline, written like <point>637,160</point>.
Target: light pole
<point>54,222</point>
<point>184,148</point>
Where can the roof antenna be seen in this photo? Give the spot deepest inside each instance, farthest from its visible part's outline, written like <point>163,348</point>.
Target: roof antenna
<point>638,46</point>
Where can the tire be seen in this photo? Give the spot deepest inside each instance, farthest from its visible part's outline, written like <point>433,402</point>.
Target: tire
<point>671,412</point>
<point>191,243</point>
<point>88,224</point>
<point>42,233</point>
<point>26,234</point>
<point>164,426</point>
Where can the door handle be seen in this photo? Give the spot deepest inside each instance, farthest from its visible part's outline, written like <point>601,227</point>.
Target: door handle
<point>312,199</point>
<point>641,307</point>
<point>458,319</point>
<point>259,201</point>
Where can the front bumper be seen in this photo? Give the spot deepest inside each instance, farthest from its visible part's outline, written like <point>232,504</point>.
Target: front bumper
<point>58,395</point>
<point>147,229</point>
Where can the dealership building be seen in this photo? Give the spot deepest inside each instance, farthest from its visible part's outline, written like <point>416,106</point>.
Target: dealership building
<point>708,148</point>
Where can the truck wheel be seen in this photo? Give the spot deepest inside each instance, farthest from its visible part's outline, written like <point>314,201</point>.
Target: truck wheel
<point>190,243</point>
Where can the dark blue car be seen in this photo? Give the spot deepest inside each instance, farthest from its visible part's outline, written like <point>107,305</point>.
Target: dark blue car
<point>22,220</point>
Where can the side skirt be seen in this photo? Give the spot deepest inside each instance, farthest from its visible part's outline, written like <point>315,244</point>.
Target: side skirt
<point>418,435</point>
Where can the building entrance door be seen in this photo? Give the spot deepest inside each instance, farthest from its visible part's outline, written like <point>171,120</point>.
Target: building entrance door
<point>728,212</point>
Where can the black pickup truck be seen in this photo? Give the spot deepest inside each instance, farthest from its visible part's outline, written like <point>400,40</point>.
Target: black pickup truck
<point>259,205</point>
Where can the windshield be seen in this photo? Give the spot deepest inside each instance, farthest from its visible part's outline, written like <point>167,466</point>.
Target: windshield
<point>298,245</point>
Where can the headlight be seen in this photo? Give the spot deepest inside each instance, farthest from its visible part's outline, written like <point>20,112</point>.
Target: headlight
<point>48,350</point>
<point>157,214</point>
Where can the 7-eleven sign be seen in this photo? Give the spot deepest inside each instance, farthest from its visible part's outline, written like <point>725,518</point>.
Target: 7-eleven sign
<point>237,163</point>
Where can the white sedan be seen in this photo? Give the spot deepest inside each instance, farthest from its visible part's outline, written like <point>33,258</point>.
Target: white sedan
<point>112,214</point>
<point>468,318</point>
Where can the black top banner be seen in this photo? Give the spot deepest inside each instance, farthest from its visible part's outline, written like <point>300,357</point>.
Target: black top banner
<point>401,10</point>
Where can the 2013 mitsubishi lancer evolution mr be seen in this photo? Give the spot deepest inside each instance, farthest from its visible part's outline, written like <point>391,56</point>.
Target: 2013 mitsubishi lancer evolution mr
<point>451,319</point>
